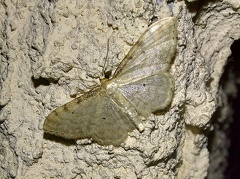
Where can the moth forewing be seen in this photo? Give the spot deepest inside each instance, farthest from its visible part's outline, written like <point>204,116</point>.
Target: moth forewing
<point>155,47</point>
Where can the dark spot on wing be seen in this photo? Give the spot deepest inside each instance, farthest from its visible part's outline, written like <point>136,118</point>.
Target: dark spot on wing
<point>55,113</point>
<point>65,108</point>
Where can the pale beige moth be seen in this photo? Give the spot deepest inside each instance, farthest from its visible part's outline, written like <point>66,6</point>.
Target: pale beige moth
<point>140,86</point>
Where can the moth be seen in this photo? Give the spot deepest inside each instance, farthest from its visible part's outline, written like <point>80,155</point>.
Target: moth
<point>140,86</point>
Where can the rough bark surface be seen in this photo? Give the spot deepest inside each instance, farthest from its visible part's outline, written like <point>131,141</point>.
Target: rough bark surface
<point>51,50</point>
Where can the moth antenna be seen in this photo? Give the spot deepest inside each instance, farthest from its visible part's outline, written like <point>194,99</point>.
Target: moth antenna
<point>106,59</point>
<point>105,73</point>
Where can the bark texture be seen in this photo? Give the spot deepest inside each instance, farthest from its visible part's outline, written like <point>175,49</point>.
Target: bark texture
<point>51,50</point>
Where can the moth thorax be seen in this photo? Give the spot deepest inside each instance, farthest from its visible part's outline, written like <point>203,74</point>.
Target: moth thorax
<point>111,87</point>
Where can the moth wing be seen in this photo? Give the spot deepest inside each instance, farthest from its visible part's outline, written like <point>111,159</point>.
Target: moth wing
<point>152,53</point>
<point>149,94</point>
<point>95,116</point>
